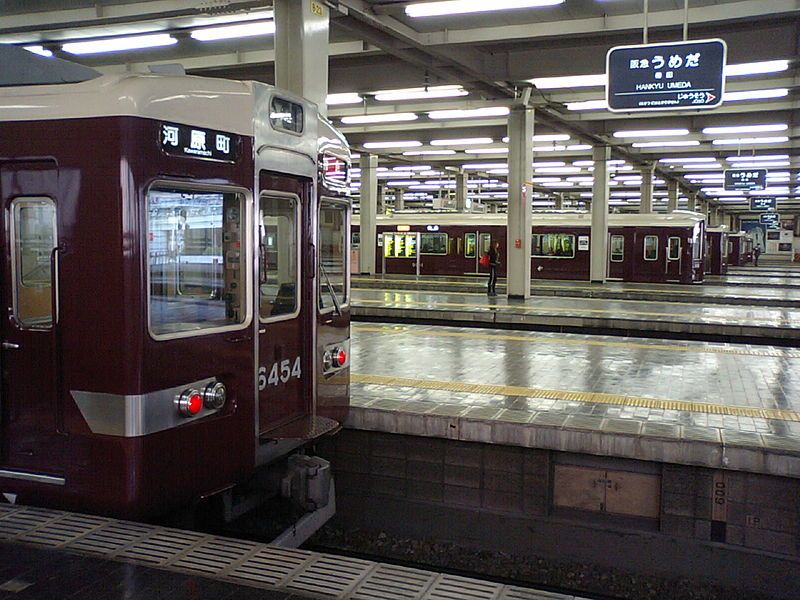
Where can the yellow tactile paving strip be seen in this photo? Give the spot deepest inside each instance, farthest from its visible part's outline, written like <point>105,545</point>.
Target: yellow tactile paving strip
<point>570,396</point>
<point>655,346</point>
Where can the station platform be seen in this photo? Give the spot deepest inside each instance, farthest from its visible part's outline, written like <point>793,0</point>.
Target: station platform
<point>719,406</point>
<point>54,555</point>
<point>714,322</point>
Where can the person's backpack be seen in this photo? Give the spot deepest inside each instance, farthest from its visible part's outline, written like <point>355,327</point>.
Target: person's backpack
<point>484,262</point>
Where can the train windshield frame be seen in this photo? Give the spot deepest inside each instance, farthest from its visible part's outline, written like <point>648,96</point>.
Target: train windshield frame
<point>334,275</point>
<point>279,262</point>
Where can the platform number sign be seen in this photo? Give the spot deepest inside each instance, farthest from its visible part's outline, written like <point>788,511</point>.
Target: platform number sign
<point>771,220</point>
<point>675,76</point>
<point>762,204</point>
<point>197,142</point>
<point>745,179</point>
<point>317,9</point>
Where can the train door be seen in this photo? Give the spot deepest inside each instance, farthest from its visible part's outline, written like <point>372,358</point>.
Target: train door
<point>648,257</point>
<point>30,410</point>
<point>484,245</point>
<point>616,256</point>
<point>674,258</point>
<point>284,357</point>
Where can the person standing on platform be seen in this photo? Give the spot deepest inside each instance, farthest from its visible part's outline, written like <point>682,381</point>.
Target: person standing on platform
<point>494,261</point>
<point>756,254</point>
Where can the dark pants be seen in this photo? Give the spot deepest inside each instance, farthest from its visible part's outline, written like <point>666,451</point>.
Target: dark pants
<point>492,279</point>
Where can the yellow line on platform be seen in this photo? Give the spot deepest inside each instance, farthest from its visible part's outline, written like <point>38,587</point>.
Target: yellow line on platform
<point>657,346</point>
<point>573,396</point>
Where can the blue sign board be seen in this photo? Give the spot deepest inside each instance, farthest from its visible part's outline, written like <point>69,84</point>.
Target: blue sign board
<point>771,220</point>
<point>679,75</point>
<point>745,179</point>
<point>762,204</point>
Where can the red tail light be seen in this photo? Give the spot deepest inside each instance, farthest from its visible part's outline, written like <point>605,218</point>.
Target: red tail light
<point>189,403</point>
<point>341,358</point>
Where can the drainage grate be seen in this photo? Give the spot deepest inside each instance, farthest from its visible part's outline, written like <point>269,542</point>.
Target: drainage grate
<point>24,520</point>
<point>389,581</point>
<point>64,530</point>
<point>450,587</point>
<point>161,546</point>
<point>112,538</point>
<point>330,576</point>
<point>215,555</point>
<point>271,566</point>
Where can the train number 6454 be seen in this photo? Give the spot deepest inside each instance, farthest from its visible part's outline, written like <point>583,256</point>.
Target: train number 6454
<point>279,373</point>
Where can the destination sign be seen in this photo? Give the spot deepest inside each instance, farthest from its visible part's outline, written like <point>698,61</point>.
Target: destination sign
<point>771,220</point>
<point>196,142</point>
<point>762,204</point>
<point>745,179</point>
<point>675,76</point>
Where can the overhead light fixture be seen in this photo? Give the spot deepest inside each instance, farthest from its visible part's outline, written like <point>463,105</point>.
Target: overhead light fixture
<point>587,105</point>
<point>136,42</point>
<point>423,93</point>
<point>677,144</point>
<point>745,129</point>
<point>762,165</point>
<point>755,95</point>
<point>756,68</point>
<point>388,118</point>
<point>412,168</point>
<point>569,81</point>
<point>583,163</point>
<point>462,142</point>
<point>460,7</point>
<point>579,147</point>
<point>429,152</point>
<point>344,98</point>
<point>403,144</point>
<point>473,113</point>
<point>748,141</point>
<point>551,137</point>
<point>552,163</point>
<point>554,148</point>
<point>650,133</point>
<point>402,183</point>
<point>758,157</point>
<point>228,32</point>
<point>486,150</point>
<point>693,159</point>
<point>40,50</point>
<point>483,166</point>
<point>558,170</point>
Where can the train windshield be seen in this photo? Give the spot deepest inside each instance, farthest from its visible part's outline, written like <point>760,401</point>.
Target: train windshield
<point>279,247</point>
<point>196,260</point>
<point>332,255</point>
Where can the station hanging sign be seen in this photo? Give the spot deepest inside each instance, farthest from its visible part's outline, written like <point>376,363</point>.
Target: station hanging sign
<point>762,204</point>
<point>197,142</point>
<point>771,220</point>
<point>674,76</point>
<point>745,179</point>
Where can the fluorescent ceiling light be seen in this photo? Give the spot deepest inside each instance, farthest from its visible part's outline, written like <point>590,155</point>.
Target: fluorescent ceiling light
<point>40,50</point>
<point>486,151</point>
<point>762,165</point>
<point>345,98</point>
<point>579,147</point>
<point>554,148</point>
<point>412,168</point>
<point>587,105</point>
<point>545,179</point>
<point>483,166</point>
<point>551,137</point>
<point>679,144</point>
<point>401,183</point>
<point>745,129</point>
<point>498,171</point>
<point>388,118</point>
<point>650,133</point>
<point>240,30</point>
<point>423,93</point>
<point>490,111</point>
<point>462,142</point>
<point>460,7</point>
<point>748,141</point>
<point>408,144</point>
<point>570,81</point>
<point>756,68</point>
<point>558,170</point>
<point>760,157</point>
<point>688,160</point>
<point>136,42</point>
<point>429,152</point>
<point>583,163</point>
<point>553,163</point>
<point>559,184</point>
<point>755,95</point>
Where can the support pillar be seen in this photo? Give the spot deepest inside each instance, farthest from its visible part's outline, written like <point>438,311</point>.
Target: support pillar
<point>461,192</point>
<point>301,49</point>
<point>646,203</point>
<point>368,213</point>
<point>520,191</point>
<point>693,204</point>
<point>399,199</point>
<point>559,198</point>
<point>672,195</point>
<point>493,208</point>
<point>381,210</point>
<point>598,270</point>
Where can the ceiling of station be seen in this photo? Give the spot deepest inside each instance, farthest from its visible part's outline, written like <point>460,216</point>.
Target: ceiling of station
<point>494,56</point>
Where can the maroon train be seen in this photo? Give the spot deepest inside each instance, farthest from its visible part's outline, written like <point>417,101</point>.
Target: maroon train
<point>642,248</point>
<point>176,288</point>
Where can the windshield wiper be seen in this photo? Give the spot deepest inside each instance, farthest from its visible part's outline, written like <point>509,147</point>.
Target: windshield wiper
<point>331,291</point>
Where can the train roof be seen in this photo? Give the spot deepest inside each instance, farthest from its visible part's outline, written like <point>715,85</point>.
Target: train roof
<point>576,219</point>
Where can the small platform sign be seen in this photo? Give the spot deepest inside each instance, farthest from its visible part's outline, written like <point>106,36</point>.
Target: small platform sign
<point>745,179</point>
<point>762,204</point>
<point>675,76</point>
<point>771,220</point>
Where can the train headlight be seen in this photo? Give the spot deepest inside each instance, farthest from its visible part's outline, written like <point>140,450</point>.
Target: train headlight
<point>189,403</point>
<point>214,395</point>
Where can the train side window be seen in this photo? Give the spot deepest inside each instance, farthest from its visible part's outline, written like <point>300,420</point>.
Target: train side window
<point>33,240</point>
<point>279,257</point>
<point>553,245</point>
<point>355,239</point>
<point>617,248</point>
<point>486,243</point>
<point>332,260</point>
<point>470,243</point>
<point>433,243</point>
<point>674,248</point>
<point>196,260</point>
<point>651,247</point>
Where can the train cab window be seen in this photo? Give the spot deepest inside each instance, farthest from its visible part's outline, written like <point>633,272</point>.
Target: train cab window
<point>674,248</point>
<point>470,243</point>
<point>651,247</point>
<point>196,260</point>
<point>33,240</point>
<point>332,260</point>
<point>617,248</point>
<point>433,243</point>
<point>279,258</point>
<point>553,245</point>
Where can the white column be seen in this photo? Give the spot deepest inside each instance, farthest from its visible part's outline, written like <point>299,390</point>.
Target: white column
<point>492,208</point>
<point>399,199</point>
<point>520,173</point>
<point>559,198</point>
<point>646,205</point>
<point>672,195</point>
<point>368,213</point>
<point>692,197</point>
<point>461,192</point>
<point>381,210</point>
<point>598,270</point>
<point>301,49</point>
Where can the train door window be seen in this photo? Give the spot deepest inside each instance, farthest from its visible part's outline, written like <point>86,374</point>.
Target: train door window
<point>674,248</point>
<point>332,264</point>
<point>486,243</point>
<point>33,240</point>
<point>553,245</point>
<point>434,243</point>
<point>279,257</point>
<point>651,247</point>
<point>355,239</point>
<point>197,257</point>
<point>617,248</point>
<point>470,243</point>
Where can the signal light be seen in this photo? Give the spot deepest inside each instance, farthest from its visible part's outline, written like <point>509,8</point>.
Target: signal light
<point>340,358</point>
<point>189,403</point>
